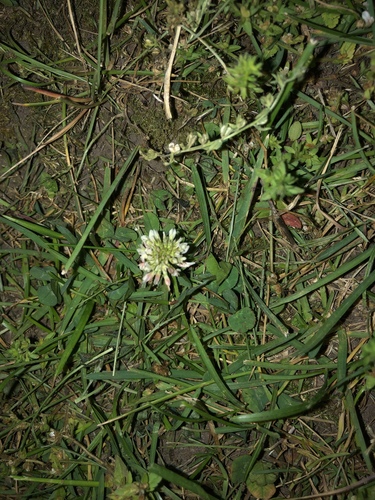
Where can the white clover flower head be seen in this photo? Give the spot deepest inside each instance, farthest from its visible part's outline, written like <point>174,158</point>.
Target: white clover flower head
<point>161,257</point>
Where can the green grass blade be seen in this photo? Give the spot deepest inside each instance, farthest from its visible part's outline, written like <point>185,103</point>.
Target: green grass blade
<point>22,226</point>
<point>79,483</point>
<point>337,315</point>
<point>211,370</point>
<point>37,65</point>
<point>181,481</point>
<point>360,438</point>
<point>327,279</point>
<point>203,204</point>
<point>283,413</point>
<point>100,209</point>
<point>75,336</point>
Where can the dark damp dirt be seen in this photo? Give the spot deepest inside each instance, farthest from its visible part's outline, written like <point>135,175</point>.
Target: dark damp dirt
<point>43,181</point>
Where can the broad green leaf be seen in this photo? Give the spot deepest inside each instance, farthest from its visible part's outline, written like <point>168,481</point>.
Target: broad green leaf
<point>261,481</point>
<point>243,320</point>
<point>181,481</point>
<point>121,474</point>
<point>219,270</point>
<point>153,481</point>
<point>105,230</point>
<point>239,469</point>
<point>130,491</point>
<point>49,184</point>
<point>47,296</point>
<point>295,131</point>
<point>330,18</point>
<point>159,197</point>
<point>149,154</point>
<point>151,222</point>
<point>347,51</point>
<point>255,398</point>
<point>231,298</point>
<point>125,234</point>
<point>45,273</point>
<point>122,292</point>
<point>230,281</point>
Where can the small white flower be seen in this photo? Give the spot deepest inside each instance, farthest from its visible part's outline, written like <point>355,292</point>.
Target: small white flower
<point>174,148</point>
<point>367,18</point>
<point>161,257</point>
<point>226,130</point>
<point>191,139</point>
<point>203,138</point>
<point>240,121</point>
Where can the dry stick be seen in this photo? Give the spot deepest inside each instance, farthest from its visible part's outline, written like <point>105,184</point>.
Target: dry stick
<point>73,24</point>
<point>319,184</point>
<point>167,77</point>
<point>127,198</point>
<point>60,37</point>
<point>56,95</point>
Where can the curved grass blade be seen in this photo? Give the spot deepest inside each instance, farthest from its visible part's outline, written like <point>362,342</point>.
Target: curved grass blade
<point>29,229</point>
<point>337,315</point>
<point>75,336</point>
<point>226,393</point>
<point>23,58</point>
<point>100,209</point>
<point>282,413</point>
<point>181,481</point>
<point>327,279</point>
<point>203,203</point>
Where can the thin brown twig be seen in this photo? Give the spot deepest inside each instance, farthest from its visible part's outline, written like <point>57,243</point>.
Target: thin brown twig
<point>73,24</point>
<point>127,197</point>
<point>56,95</point>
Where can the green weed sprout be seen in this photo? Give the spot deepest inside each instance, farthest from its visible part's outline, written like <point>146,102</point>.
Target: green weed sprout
<point>277,183</point>
<point>162,256</point>
<point>243,78</point>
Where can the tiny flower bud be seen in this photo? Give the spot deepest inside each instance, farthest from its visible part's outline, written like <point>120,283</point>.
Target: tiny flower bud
<point>174,148</point>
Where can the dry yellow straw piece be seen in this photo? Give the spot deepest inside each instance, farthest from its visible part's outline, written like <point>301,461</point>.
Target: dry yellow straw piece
<point>167,77</point>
